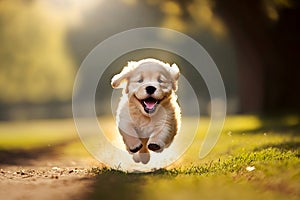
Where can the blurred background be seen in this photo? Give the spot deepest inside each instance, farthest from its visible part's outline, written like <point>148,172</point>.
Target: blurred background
<point>255,45</point>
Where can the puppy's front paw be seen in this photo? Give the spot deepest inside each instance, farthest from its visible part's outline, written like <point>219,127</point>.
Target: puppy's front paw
<point>154,147</point>
<point>135,149</point>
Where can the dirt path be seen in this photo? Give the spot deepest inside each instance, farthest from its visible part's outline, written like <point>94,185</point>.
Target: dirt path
<point>39,174</point>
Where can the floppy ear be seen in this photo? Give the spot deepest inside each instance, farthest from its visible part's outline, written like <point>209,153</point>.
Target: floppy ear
<point>174,71</point>
<point>118,79</point>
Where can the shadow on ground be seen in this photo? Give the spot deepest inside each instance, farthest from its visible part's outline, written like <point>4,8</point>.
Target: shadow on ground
<point>281,124</point>
<point>117,186</point>
<point>114,184</point>
<point>26,156</point>
<point>286,146</point>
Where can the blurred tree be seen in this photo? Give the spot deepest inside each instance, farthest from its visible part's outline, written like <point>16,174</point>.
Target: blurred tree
<point>266,34</point>
<point>266,37</point>
<point>35,66</point>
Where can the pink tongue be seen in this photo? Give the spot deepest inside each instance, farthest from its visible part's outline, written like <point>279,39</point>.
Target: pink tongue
<point>150,104</point>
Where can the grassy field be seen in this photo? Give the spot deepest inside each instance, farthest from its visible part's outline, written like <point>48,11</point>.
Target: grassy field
<point>255,158</point>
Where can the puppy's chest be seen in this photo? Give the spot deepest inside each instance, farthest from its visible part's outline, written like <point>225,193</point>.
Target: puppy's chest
<point>146,129</point>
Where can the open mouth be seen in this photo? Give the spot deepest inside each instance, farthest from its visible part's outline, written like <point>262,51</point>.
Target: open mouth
<point>150,104</point>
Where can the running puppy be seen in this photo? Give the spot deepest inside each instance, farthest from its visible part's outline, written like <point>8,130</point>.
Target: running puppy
<point>148,115</point>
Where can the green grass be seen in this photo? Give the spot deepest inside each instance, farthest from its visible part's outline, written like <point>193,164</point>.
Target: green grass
<point>269,145</point>
<point>35,134</point>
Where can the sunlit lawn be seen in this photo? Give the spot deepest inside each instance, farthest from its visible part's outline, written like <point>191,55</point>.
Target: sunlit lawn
<point>255,158</point>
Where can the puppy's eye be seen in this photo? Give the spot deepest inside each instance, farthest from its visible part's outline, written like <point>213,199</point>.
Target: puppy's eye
<point>159,80</point>
<point>140,80</point>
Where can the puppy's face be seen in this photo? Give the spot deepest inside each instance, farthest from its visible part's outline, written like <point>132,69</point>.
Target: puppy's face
<point>148,83</point>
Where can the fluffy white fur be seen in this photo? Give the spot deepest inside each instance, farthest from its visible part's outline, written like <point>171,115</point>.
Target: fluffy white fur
<point>148,115</point>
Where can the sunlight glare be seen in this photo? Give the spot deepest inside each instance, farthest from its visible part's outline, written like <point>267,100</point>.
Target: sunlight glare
<point>171,8</point>
<point>67,12</point>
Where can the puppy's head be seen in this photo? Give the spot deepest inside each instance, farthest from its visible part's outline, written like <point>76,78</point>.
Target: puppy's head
<point>147,83</point>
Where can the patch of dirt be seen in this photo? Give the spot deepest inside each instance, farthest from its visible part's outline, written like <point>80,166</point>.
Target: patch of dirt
<point>46,176</point>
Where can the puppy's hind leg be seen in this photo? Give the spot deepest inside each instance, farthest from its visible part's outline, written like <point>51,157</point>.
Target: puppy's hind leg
<point>143,155</point>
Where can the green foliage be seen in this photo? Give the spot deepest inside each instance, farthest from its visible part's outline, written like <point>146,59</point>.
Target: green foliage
<point>35,65</point>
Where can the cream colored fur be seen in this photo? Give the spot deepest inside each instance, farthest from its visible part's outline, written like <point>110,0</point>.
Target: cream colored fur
<point>140,128</point>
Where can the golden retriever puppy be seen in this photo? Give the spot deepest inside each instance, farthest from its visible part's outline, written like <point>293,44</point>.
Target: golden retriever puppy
<point>148,115</point>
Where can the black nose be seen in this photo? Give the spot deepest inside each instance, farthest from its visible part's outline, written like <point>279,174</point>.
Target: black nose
<point>150,89</point>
